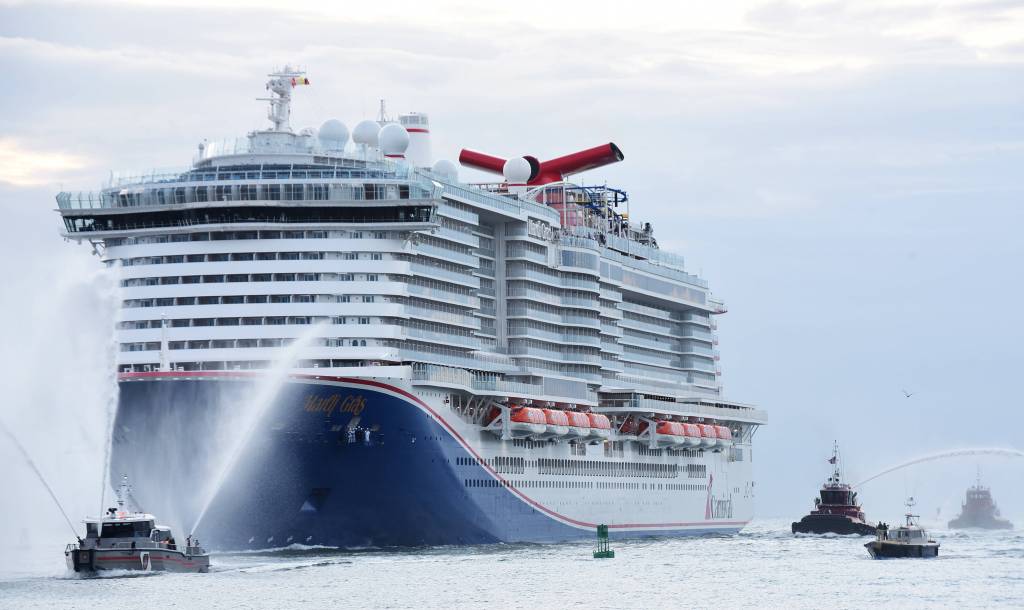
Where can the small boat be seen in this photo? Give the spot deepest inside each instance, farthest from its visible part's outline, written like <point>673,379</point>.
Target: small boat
<point>709,437</point>
<point>836,510</point>
<point>557,425</point>
<point>600,427</point>
<point>908,540</point>
<point>579,425</point>
<point>123,540</point>
<point>525,422</point>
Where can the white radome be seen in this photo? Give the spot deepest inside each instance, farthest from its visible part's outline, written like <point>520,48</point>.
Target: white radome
<point>517,170</point>
<point>446,168</point>
<point>333,135</point>
<point>366,133</point>
<point>394,139</point>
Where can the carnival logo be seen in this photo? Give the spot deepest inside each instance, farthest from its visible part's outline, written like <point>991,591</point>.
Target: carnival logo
<point>715,508</point>
<point>353,403</point>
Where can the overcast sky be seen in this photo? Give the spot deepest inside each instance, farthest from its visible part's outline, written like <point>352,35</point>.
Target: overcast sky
<point>847,176</point>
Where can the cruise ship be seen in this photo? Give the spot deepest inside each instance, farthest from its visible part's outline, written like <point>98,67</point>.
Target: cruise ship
<point>466,363</point>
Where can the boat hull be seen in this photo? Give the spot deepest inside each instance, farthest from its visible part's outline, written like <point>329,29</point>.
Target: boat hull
<point>832,524</point>
<point>879,549</point>
<point>143,560</point>
<point>359,462</point>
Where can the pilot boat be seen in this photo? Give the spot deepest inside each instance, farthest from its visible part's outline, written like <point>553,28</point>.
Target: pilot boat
<point>128,540</point>
<point>908,540</point>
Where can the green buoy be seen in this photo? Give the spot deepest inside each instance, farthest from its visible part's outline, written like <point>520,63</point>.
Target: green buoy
<point>603,551</point>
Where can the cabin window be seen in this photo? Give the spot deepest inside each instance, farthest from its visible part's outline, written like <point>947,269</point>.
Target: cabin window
<point>130,529</point>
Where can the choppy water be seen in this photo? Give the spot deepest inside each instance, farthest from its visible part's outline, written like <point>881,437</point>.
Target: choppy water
<point>764,566</point>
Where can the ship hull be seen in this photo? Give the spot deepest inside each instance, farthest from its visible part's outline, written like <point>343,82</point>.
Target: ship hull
<point>358,462</point>
<point>961,523</point>
<point>832,524</point>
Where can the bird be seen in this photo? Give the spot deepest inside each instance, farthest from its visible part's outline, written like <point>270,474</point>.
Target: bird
<point>907,394</point>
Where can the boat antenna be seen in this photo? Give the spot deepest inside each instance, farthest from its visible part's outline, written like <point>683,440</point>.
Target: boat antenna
<point>28,460</point>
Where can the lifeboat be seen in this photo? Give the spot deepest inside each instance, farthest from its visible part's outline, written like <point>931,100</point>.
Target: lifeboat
<point>709,438</point>
<point>556,424</point>
<point>629,427</point>
<point>600,427</point>
<point>724,436</point>
<point>666,434</point>
<point>693,435</point>
<point>579,425</point>
<point>526,421</point>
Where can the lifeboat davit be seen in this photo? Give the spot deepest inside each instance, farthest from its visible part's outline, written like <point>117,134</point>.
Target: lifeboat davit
<point>724,436</point>
<point>526,421</point>
<point>667,434</point>
<point>556,424</point>
<point>579,425</point>
<point>600,427</point>
<point>709,438</point>
<point>693,435</point>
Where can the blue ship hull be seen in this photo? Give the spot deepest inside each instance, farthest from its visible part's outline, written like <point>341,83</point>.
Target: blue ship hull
<point>398,477</point>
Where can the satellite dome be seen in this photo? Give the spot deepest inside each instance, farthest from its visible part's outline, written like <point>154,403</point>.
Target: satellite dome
<point>333,135</point>
<point>446,168</point>
<point>394,139</point>
<point>517,171</point>
<point>366,133</point>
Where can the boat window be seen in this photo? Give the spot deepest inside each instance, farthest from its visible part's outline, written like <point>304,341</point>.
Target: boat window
<point>128,529</point>
<point>91,529</point>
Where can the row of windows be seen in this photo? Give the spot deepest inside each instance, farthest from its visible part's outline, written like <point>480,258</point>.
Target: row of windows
<point>238,299</point>
<point>233,278</point>
<point>221,257</point>
<point>269,192</point>
<point>247,321</point>
<point>239,235</point>
<point>150,346</point>
<point>475,483</point>
<point>245,365</point>
<point>606,469</point>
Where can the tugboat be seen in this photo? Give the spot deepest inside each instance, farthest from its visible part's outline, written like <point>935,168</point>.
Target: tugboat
<point>123,540</point>
<point>909,540</point>
<point>979,511</point>
<point>835,510</point>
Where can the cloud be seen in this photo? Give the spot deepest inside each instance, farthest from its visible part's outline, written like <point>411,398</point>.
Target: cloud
<point>23,166</point>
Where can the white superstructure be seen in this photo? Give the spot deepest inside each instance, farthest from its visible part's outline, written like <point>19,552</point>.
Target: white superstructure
<point>530,292</point>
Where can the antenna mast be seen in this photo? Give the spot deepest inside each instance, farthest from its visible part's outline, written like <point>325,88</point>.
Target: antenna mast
<point>281,84</point>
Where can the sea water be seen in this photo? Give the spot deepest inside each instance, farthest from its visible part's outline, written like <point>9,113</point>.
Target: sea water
<point>764,567</point>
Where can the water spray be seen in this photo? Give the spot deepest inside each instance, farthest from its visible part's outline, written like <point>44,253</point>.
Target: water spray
<point>264,393</point>
<point>28,460</point>
<point>944,455</point>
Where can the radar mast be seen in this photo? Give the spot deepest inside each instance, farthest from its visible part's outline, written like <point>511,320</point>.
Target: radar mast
<point>281,84</point>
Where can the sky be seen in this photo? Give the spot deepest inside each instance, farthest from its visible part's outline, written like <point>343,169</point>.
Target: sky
<point>846,175</point>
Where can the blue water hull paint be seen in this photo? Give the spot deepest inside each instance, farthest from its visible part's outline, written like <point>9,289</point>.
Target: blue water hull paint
<point>302,480</point>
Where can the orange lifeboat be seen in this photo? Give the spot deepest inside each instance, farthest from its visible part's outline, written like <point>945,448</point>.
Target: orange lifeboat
<point>579,425</point>
<point>693,435</point>
<point>629,427</point>
<point>665,434</point>
<point>600,427</point>
<point>556,424</point>
<point>724,436</point>
<point>709,438</point>
<point>526,421</point>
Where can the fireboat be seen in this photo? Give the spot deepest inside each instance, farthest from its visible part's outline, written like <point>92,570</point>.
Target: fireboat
<point>836,510</point>
<point>979,511</point>
<point>129,540</point>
